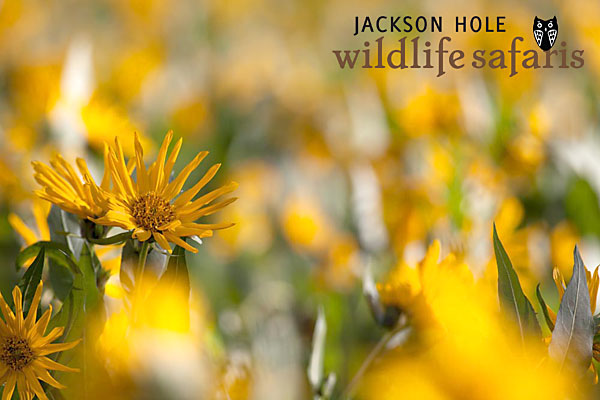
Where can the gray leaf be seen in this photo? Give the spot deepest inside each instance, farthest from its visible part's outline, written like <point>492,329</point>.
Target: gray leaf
<point>315,365</point>
<point>573,334</point>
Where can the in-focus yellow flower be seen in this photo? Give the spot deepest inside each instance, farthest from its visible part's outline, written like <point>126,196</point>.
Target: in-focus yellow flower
<point>62,186</point>
<point>152,206</point>
<point>23,349</point>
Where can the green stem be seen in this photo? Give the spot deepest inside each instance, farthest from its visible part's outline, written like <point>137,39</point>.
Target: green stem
<point>142,260</point>
<point>140,277</point>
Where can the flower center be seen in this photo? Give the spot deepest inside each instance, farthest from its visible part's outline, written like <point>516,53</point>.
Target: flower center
<point>151,211</point>
<point>16,353</point>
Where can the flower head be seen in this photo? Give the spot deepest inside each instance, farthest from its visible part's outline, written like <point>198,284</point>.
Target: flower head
<point>416,290</point>
<point>61,185</point>
<point>152,206</point>
<point>23,349</point>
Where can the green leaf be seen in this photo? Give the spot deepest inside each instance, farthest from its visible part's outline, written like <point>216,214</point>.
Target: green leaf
<point>65,229</point>
<point>62,265</point>
<point>57,252</point>
<point>582,206</point>
<point>130,255</point>
<point>538,294</point>
<point>573,334</point>
<point>64,235</point>
<point>31,279</point>
<point>176,273</point>
<point>511,296</point>
<point>90,289</point>
<point>116,239</point>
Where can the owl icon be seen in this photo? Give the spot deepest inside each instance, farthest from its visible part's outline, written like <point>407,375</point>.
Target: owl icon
<point>545,32</point>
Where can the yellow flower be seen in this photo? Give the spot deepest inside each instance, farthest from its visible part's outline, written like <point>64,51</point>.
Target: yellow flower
<point>40,210</point>
<point>109,258</point>
<point>152,206</point>
<point>61,185</point>
<point>474,352</point>
<point>416,290</point>
<point>593,281</point>
<point>23,349</point>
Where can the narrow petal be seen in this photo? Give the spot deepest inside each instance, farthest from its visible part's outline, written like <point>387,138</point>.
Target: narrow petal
<point>54,334</point>
<point>105,184</point>
<point>141,234</point>
<point>34,384</point>
<point>42,323</point>
<point>18,300</point>
<point>171,161</point>
<point>44,375</point>
<point>559,282</point>
<point>174,187</point>
<point>162,241</point>
<point>6,311</point>
<point>142,175</point>
<point>47,363</point>
<point>30,320</point>
<point>23,230</point>
<point>56,347</point>
<point>178,241</point>
<point>41,209</point>
<point>209,197</point>
<point>9,387</point>
<point>189,194</point>
<point>157,178</point>
<point>208,210</point>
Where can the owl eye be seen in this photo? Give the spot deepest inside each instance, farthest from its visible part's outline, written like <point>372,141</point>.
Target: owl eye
<point>550,25</point>
<point>539,24</point>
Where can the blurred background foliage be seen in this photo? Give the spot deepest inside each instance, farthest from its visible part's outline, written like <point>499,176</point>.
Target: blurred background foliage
<point>337,168</point>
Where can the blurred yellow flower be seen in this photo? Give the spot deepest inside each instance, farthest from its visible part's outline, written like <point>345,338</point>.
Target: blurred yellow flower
<point>415,290</point>
<point>253,231</point>
<point>473,353</point>
<point>104,120</point>
<point>340,266</point>
<point>429,111</point>
<point>563,239</point>
<point>40,210</point>
<point>152,206</point>
<point>235,383</point>
<point>162,315</point>
<point>23,348</point>
<point>305,224</point>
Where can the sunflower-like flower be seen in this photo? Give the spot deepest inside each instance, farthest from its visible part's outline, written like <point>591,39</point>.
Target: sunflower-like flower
<point>23,349</point>
<point>152,206</point>
<point>61,185</point>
